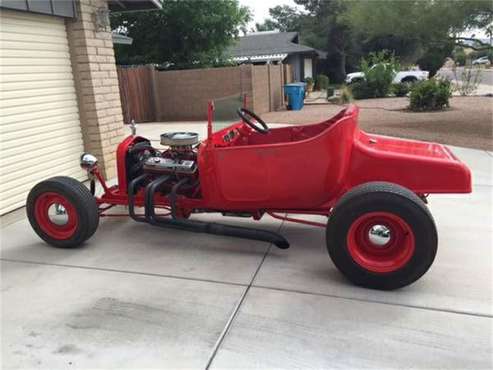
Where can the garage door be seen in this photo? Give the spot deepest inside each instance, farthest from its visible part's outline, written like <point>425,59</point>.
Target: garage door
<point>40,133</point>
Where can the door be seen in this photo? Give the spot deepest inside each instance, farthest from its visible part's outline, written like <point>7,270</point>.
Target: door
<point>40,134</point>
<point>308,69</point>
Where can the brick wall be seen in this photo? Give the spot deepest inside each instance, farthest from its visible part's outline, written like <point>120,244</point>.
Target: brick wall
<point>96,82</point>
<point>183,95</point>
<point>268,84</point>
<point>261,92</point>
<point>276,87</point>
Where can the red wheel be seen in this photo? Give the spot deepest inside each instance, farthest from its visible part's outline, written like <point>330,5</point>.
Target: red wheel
<point>56,216</point>
<point>381,236</point>
<point>380,242</point>
<point>62,212</point>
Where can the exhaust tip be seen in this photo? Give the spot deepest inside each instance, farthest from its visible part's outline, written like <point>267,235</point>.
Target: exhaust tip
<point>282,244</point>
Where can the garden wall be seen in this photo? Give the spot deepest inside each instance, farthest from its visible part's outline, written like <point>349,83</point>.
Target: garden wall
<point>183,95</point>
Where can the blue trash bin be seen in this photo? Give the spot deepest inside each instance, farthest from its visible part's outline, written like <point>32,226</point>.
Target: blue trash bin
<point>296,95</point>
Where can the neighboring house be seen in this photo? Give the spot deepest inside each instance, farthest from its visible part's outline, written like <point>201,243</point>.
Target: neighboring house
<point>59,91</point>
<point>121,39</point>
<point>277,47</point>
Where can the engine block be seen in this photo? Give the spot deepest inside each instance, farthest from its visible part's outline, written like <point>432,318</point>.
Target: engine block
<point>164,165</point>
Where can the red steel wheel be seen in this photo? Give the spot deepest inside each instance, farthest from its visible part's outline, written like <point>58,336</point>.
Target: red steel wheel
<point>380,242</point>
<point>62,211</point>
<point>56,216</point>
<point>381,236</point>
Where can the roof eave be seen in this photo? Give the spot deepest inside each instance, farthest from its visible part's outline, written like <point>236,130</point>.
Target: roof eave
<point>133,5</point>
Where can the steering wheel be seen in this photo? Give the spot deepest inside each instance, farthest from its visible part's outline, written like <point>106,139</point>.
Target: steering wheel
<point>246,116</point>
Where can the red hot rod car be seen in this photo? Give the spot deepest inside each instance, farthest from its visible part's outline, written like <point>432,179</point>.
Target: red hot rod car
<point>372,189</point>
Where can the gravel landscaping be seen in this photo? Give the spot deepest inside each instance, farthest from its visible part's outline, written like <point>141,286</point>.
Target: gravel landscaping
<point>468,122</point>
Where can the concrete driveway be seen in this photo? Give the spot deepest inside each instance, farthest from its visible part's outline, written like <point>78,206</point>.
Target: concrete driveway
<point>138,297</point>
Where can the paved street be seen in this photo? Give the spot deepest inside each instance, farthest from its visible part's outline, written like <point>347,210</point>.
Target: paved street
<point>138,297</point>
<point>486,74</point>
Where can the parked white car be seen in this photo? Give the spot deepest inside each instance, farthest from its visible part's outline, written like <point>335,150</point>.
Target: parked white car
<point>401,76</point>
<point>481,61</point>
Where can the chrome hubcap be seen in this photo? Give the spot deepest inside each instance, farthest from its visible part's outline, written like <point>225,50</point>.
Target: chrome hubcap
<point>57,214</point>
<point>379,235</point>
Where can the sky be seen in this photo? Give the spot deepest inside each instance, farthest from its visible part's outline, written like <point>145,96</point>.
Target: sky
<point>260,8</point>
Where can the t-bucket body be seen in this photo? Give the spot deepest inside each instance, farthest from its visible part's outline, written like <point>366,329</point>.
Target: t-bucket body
<point>304,169</point>
<point>372,190</point>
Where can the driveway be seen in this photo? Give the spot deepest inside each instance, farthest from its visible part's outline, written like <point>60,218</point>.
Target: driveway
<point>138,297</point>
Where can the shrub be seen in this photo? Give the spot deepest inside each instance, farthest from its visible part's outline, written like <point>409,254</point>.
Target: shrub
<point>309,84</point>
<point>459,56</point>
<point>400,89</point>
<point>466,81</point>
<point>429,95</point>
<point>346,95</point>
<point>361,90</point>
<point>330,92</point>
<point>321,82</point>
<point>379,70</point>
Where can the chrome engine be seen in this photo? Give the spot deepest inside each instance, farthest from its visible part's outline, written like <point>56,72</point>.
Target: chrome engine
<point>179,159</point>
<point>169,165</point>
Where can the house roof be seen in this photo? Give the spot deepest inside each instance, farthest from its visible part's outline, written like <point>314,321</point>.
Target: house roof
<point>268,43</point>
<point>133,5</point>
<point>262,58</point>
<point>121,39</point>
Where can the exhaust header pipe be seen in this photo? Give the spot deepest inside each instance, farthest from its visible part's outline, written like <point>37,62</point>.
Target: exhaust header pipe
<point>199,226</point>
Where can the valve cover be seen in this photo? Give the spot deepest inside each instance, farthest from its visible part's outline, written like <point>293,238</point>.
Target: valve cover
<point>169,165</point>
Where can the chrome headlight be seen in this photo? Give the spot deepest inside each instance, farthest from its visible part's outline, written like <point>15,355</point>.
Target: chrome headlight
<point>88,161</point>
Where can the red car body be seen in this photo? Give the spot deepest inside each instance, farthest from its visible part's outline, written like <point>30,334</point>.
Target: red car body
<point>305,169</point>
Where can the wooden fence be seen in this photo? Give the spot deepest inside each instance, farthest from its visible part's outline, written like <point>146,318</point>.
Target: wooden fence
<point>149,95</point>
<point>137,94</point>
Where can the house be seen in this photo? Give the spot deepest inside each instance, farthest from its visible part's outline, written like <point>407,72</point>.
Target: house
<point>59,91</point>
<point>277,47</point>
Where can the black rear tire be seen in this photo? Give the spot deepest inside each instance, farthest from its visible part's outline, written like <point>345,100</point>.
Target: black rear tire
<point>383,200</point>
<point>80,207</point>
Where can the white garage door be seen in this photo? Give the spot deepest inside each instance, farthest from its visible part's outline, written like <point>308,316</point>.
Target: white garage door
<point>40,133</point>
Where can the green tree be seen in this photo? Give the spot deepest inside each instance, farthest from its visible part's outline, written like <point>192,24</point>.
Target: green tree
<point>321,26</point>
<point>432,27</point>
<point>423,31</point>
<point>182,34</point>
<point>329,26</point>
<point>268,25</point>
<point>283,18</point>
